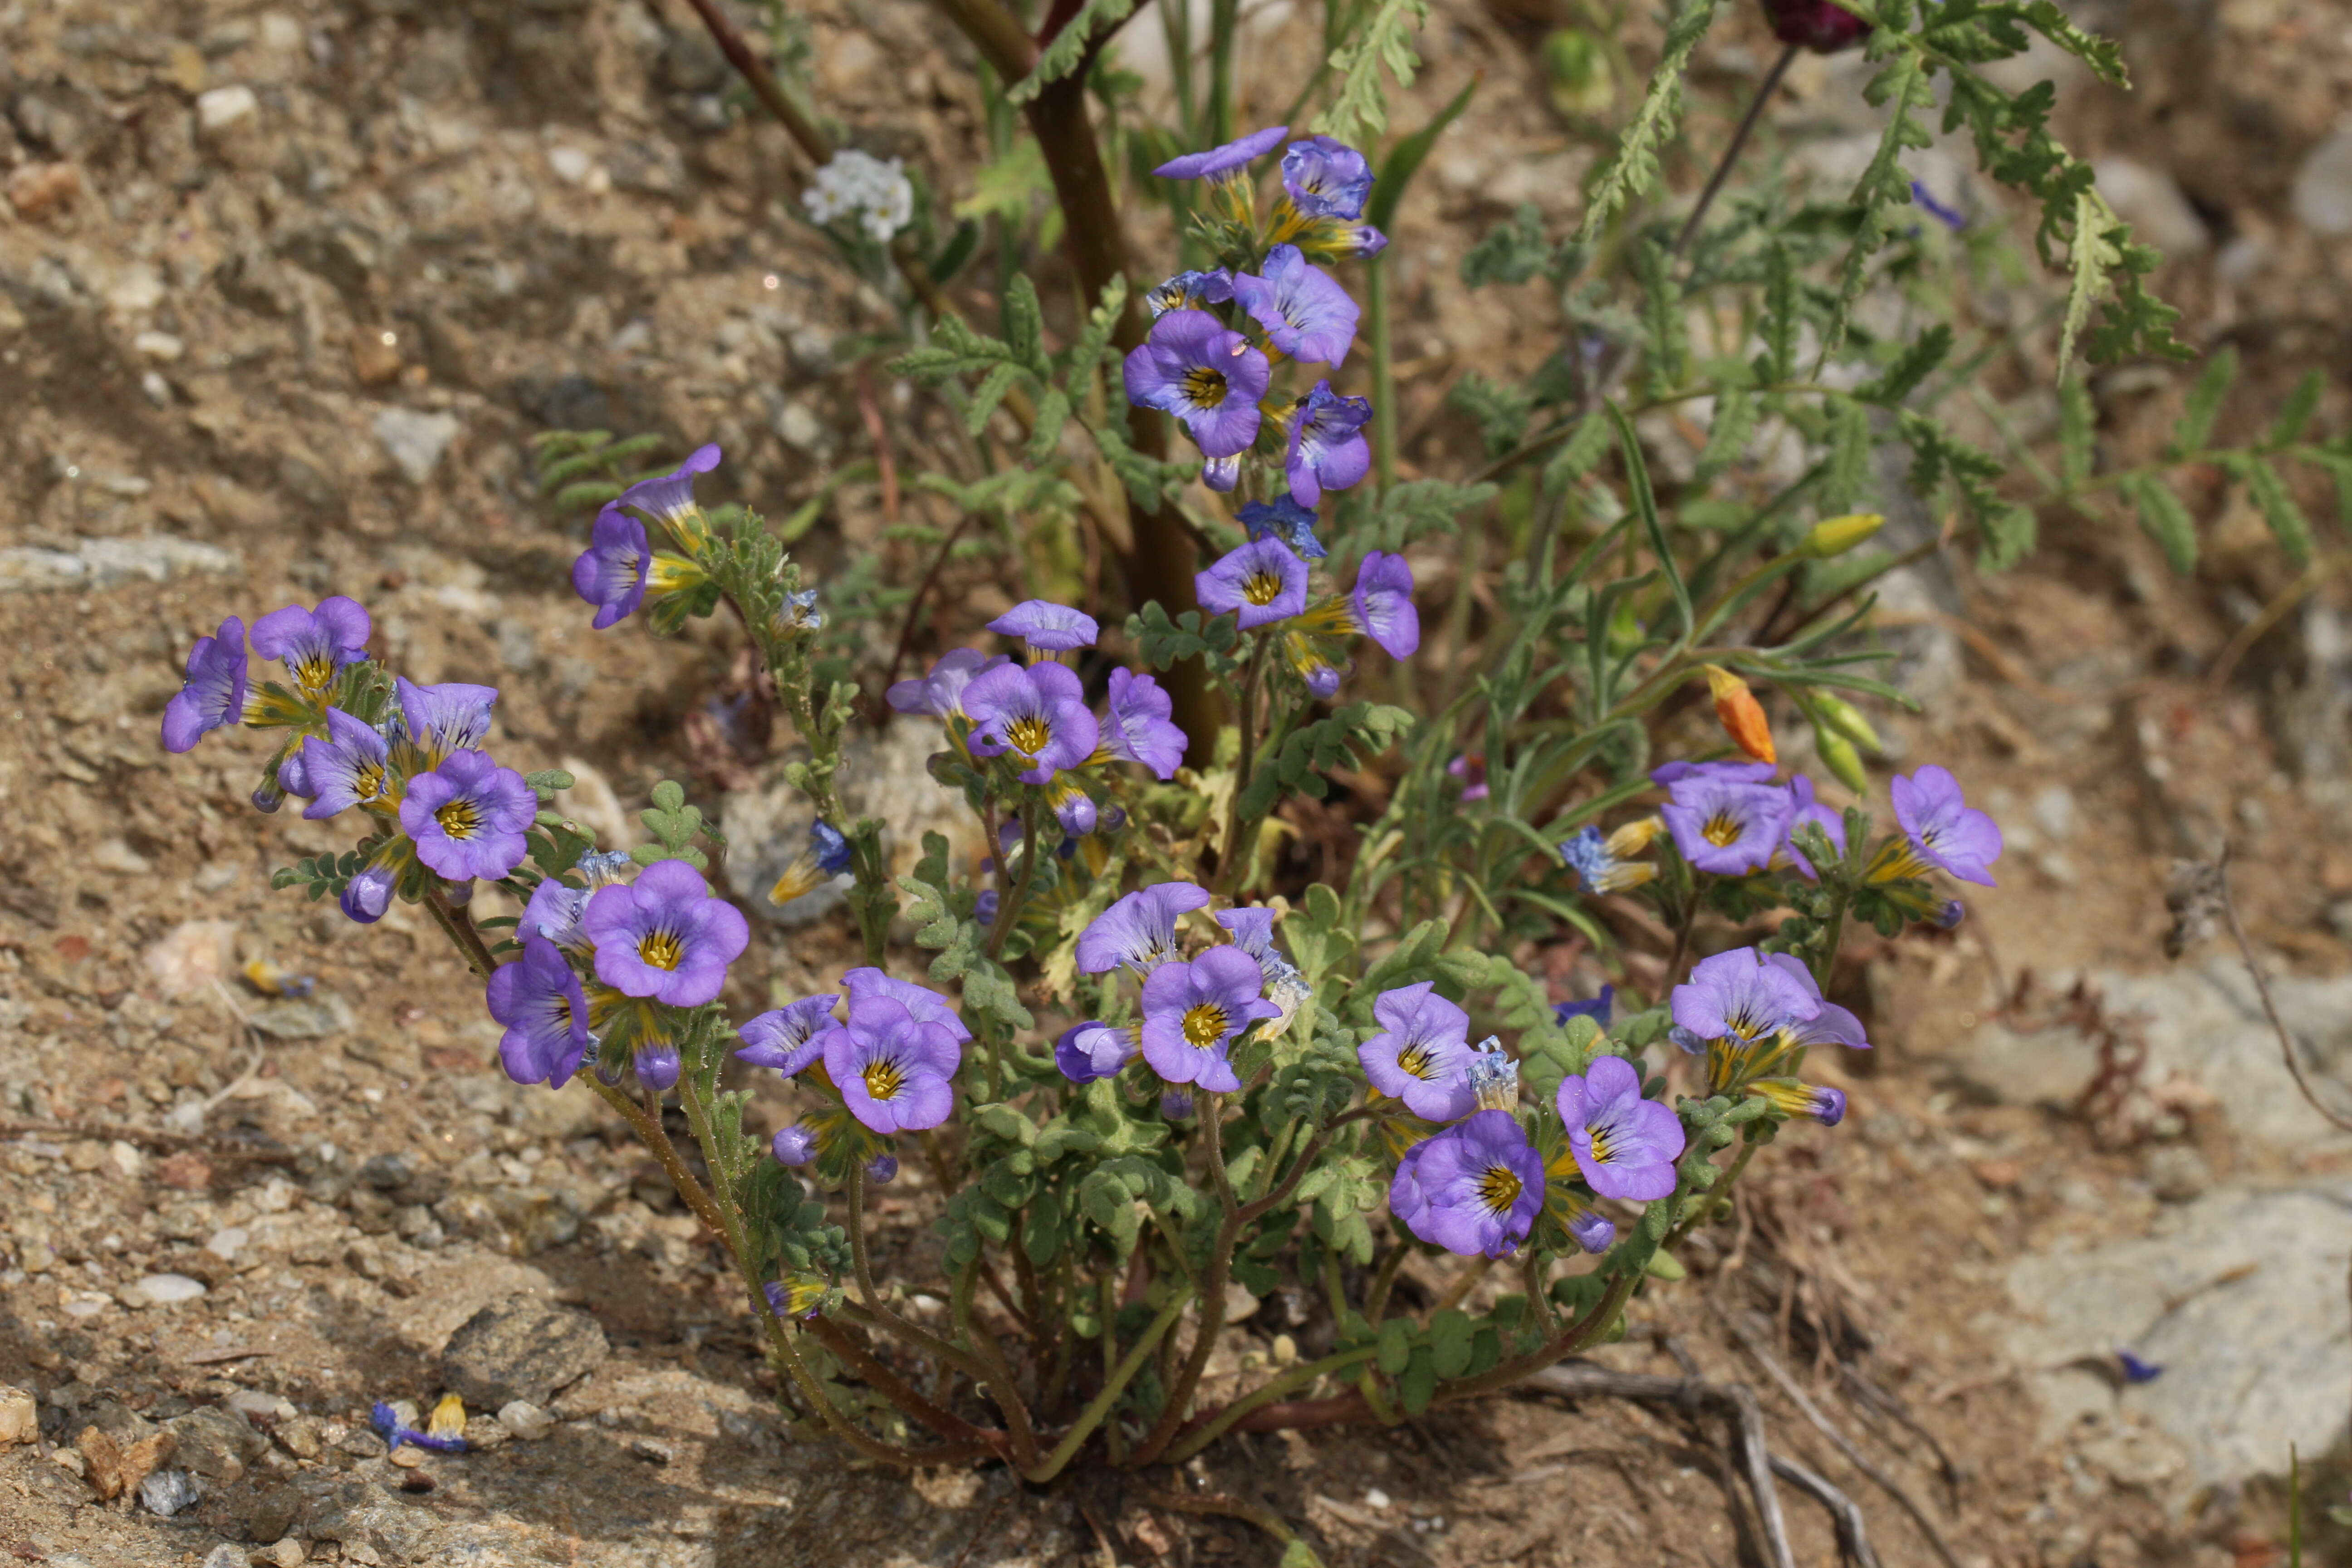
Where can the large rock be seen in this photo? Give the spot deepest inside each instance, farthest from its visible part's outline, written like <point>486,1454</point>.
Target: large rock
<point>363,1518</point>
<point>2206,1023</point>
<point>521,1350</point>
<point>215,1442</point>
<point>2238,1297</point>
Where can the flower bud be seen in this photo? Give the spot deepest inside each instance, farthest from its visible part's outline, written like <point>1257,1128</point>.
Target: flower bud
<point>1742,715</point>
<point>1836,535</point>
<point>1847,721</point>
<point>1816,24</point>
<point>1838,756</point>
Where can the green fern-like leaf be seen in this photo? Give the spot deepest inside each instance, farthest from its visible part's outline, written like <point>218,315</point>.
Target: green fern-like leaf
<point>1635,169</point>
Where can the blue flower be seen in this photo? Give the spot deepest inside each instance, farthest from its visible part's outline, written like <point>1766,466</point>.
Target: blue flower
<point>1601,864</point>
<point>1326,178</point>
<point>216,689</point>
<point>1048,627</point>
<point>1140,931</point>
<point>352,768</point>
<point>1196,368</point>
<point>1283,518</point>
<point>436,721</point>
<point>1221,163</point>
<point>1598,1009</point>
<point>940,693</point>
<point>1304,310</point>
<point>366,897</point>
<point>1262,582</point>
<point>540,1000</point>
<point>1327,450</point>
<point>669,500</point>
<point>314,644</point>
<point>1926,199</point>
<point>1189,289</point>
<point>791,1038</point>
<point>1137,726</point>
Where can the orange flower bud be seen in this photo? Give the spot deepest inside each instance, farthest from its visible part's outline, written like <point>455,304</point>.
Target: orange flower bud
<point>1742,715</point>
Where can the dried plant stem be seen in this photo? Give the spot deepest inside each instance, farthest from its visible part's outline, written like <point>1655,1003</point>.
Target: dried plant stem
<point>1737,144</point>
<point>2263,989</point>
<point>1224,1505</point>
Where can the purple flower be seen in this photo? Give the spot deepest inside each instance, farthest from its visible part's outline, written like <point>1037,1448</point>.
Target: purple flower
<point>1598,1009</point>
<point>1222,160</point>
<point>1723,772</point>
<point>826,857</point>
<point>983,906</point>
<point>882,1168</point>
<point>1421,1055</point>
<point>1138,729</point>
<point>468,817</point>
<point>1189,289</point>
<point>1192,1012</point>
<point>1326,178</point>
<point>1175,1104</point>
<point>787,1039</point>
<point>1253,932</point>
<point>1038,712</point>
<point>1470,767</point>
<point>554,913</point>
<point>940,693</point>
<point>793,1145</point>
<point>801,1296</point>
<point>366,896</point>
<point>1588,1229</point>
<point>1207,376</point>
<point>612,573</point>
<point>894,1069</point>
<point>1474,1188</point>
<point>1382,602</point>
<point>1727,828</point>
<point>314,644</point>
<point>1743,997</point>
<point>657,1065</point>
<point>350,769</point>
<point>438,720</point>
<point>1625,1145</point>
<point>1826,1106</point>
<point>1087,1051</point>
<point>1803,808</point>
<point>1140,931</point>
<point>1262,581</point>
<point>1304,310</point>
<point>1944,830</point>
<point>2136,1369</point>
<point>1363,241</point>
<point>1283,518</point>
<point>214,694</point>
<point>539,999</point>
<point>663,936</point>
<point>1046,626</point>
<point>669,500</point>
<point>1327,450</point>
<point>927,1004</point>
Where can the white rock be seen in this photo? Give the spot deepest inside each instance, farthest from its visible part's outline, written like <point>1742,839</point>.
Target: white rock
<point>525,1420</point>
<point>228,1242</point>
<point>116,856</point>
<point>2053,807</point>
<point>2150,200</point>
<point>570,165</point>
<point>161,346</point>
<point>414,439</point>
<point>26,569</point>
<point>223,106</point>
<point>152,558</point>
<point>192,956</point>
<point>161,1290</point>
<point>128,1160</point>
<point>20,1418</point>
<point>2323,187</point>
<point>253,1401</point>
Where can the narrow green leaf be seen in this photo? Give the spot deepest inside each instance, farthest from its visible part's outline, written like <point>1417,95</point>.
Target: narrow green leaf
<point>2278,507</point>
<point>2163,519</point>
<point>1645,506</point>
<point>1068,48</point>
<point>2077,421</point>
<point>1783,315</point>
<point>2204,405</point>
<point>1635,167</point>
<point>1358,112</point>
<point>2294,414</point>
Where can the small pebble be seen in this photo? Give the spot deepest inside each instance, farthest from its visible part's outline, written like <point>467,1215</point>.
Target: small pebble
<point>416,1481</point>
<point>653,1450</point>
<point>525,1420</point>
<point>407,1458</point>
<point>1375,1497</point>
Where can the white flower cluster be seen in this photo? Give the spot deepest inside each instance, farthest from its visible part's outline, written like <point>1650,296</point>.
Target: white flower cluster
<point>874,191</point>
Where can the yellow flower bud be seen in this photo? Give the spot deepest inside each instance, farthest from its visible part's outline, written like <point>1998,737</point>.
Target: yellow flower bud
<point>1742,715</point>
<point>1836,535</point>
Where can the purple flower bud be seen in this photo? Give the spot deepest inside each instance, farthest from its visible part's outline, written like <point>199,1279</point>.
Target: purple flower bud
<point>793,1145</point>
<point>1954,912</point>
<point>1048,627</point>
<point>983,907</point>
<point>1591,1231</point>
<point>1816,24</point>
<point>655,1064</point>
<point>1175,1104</point>
<point>881,1169</point>
<point>2137,1369</point>
<point>1087,1051</point>
<point>1223,162</point>
<point>367,896</point>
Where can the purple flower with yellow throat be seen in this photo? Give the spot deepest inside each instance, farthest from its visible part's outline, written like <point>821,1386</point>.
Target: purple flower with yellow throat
<point>1304,310</point>
<point>539,998</point>
<point>468,817</point>
<point>1421,1055</point>
<point>1326,178</point>
<point>1137,726</point>
<point>1748,1012</point>
<point>214,694</point>
<point>613,573</point>
<point>895,1071</point>
<point>1139,929</point>
<point>1036,712</point>
<point>789,1038</point>
<point>1327,450</point>
<point>1261,581</point>
<point>1194,1012</point>
<point>668,499</point>
<point>663,936</point>
<point>1625,1145</point>
<point>1941,830</point>
<point>1225,162</point>
<point>436,721</point>
<point>1725,826</point>
<point>1207,376</point>
<point>351,767</point>
<point>314,644</point>
<point>1473,1189</point>
<point>927,1004</point>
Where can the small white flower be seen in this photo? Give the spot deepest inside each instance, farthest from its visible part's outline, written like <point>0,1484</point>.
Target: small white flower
<point>874,191</point>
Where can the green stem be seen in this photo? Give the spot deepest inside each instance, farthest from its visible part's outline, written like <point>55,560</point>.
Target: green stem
<point>459,926</point>
<point>1384,406</point>
<point>1009,908</point>
<point>1237,859</point>
<point>1825,960</point>
<point>1100,1407</point>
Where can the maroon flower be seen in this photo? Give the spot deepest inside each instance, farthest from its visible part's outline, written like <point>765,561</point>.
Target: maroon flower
<point>1815,25</point>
